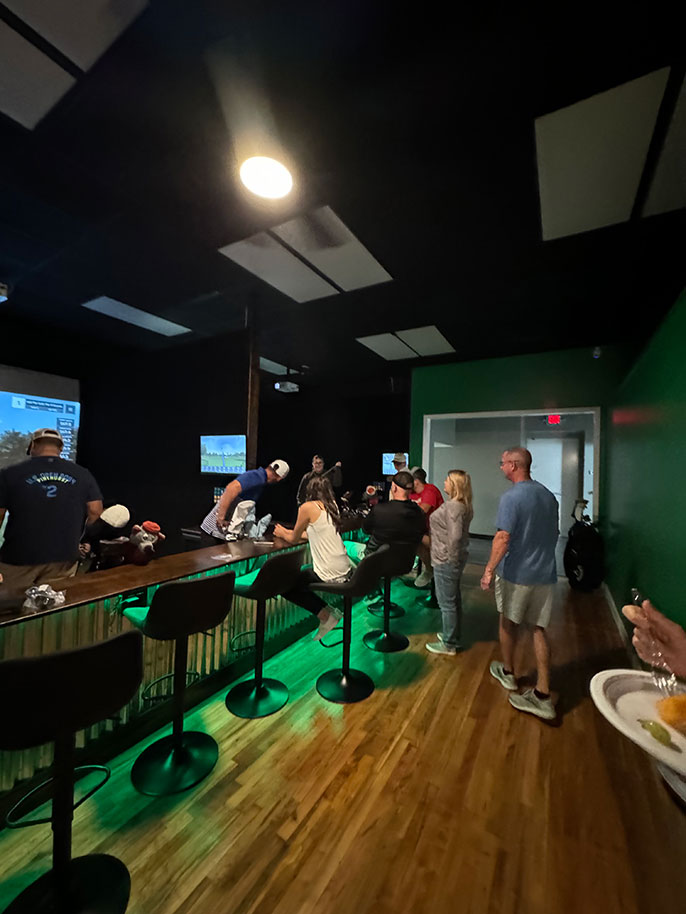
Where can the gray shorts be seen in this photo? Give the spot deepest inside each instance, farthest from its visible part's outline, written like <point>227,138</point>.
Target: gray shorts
<point>530,603</point>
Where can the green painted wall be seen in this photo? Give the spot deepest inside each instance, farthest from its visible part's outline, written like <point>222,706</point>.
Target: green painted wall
<point>547,380</point>
<point>646,485</point>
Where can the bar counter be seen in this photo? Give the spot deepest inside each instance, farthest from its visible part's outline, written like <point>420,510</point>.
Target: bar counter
<point>92,612</point>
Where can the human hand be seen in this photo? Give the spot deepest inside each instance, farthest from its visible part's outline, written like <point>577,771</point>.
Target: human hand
<point>486,579</point>
<point>280,530</point>
<point>338,463</point>
<point>84,549</point>
<point>658,640</point>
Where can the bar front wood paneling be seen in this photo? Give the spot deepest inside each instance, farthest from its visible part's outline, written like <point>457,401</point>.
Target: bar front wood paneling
<point>92,612</point>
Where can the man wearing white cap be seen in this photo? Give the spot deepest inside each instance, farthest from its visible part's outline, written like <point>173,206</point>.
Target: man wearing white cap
<point>246,487</point>
<point>49,500</point>
<point>399,464</point>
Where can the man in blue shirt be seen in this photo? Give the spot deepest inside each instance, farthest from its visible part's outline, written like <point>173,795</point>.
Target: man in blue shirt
<point>246,487</point>
<point>523,562</point>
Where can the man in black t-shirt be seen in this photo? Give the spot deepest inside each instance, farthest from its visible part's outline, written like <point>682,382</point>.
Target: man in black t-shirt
<point>397,521</point>
<point>49,500</point>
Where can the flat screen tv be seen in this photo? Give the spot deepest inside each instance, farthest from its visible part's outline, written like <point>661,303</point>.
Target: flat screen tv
<point>388,468</point>
<point>222,454</point>
<point>22,413</point>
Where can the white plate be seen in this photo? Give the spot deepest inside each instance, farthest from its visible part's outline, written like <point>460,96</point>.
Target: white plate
<point>626,696</point>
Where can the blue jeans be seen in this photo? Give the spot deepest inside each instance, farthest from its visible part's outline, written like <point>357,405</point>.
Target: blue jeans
<point>447,581</point>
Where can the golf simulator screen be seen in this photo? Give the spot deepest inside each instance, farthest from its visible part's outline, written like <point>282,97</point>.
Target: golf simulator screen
<point>222,454</point>
<point>30,400</point>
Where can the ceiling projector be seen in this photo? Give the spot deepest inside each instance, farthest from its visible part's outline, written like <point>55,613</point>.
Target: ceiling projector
<point>286,387</point>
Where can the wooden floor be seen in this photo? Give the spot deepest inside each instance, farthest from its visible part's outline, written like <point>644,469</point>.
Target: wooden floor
<point>434,795</point>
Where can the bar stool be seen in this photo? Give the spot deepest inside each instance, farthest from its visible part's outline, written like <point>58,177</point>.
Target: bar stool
<point>49,699</point>
<point>385,606</point>
<point>180,609</point>
<point>260,697</point>
<point>399,559</point>
<point>345,685</point>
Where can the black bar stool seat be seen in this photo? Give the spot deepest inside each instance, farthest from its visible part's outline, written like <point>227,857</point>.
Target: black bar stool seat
<point>49,699</point>
<point>345,685</point>
<point>259,696</point>
<point>399,560</point>
<point>180,609</point>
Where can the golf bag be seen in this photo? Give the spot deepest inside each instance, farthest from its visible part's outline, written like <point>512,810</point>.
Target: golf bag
<point>584,558</point>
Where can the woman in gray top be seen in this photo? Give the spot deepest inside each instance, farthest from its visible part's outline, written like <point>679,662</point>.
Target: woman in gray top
<point>449,550</point>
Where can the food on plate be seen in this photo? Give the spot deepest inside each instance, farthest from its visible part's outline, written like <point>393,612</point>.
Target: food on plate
<point>672,711</point>
<point>660,733</point>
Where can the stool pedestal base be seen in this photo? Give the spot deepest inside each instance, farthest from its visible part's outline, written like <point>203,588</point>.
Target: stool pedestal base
<point>345,687</point>
<point>244,700</point>
<point>95,884</point>
<point>162,769</point>
<point>390,643</point>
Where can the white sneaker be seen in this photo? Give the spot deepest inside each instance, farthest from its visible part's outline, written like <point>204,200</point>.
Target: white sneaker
<point>424,579</point>
<point>529,701</point>
<point>506,680</point>
<point>438,647</point>
<point>328,624</point>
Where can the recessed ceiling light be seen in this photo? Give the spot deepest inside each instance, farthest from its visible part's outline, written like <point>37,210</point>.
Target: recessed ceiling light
<point>121,312</point>
<point>266,177</point>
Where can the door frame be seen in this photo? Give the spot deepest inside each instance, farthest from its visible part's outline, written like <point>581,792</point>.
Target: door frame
<point>595,411</point>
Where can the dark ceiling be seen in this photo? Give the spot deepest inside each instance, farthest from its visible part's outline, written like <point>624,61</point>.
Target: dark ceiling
<point>416,129</point>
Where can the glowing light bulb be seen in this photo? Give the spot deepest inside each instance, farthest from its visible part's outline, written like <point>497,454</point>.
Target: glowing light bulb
<point>266,177</point>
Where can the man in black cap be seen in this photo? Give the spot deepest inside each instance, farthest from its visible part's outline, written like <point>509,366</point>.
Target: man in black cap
<point>49,501</point>
<point>399,520</point>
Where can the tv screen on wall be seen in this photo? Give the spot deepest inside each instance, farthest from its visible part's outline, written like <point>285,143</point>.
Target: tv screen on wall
<point>22,413</point>
<point>388,468</point>
<point>222,454</point>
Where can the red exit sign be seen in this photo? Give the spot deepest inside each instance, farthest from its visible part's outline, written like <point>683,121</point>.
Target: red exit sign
<point>554,420</point>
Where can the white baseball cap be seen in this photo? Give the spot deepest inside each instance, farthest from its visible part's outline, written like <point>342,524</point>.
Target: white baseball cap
<point>281,468</point>
<point>116,516</point>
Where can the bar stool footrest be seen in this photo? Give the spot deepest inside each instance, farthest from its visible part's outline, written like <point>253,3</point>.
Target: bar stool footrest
<point>95,884</point>
<point>345,687</point>
<point>191,677</point>
<point>12,821</point>
<point>395,611</point>
<point>390,643</point>
<point>244,700</point>
<point>165,768</point>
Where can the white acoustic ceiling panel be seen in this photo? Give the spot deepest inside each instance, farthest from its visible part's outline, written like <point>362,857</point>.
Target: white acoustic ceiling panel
<point>129,315</point>
<point>327,243</point>
<point>272,367</point>
<point>388,346</point>
<point>668,187</point>
<point>267,259</point>
<point>30,83</point>
<point>591,156</point>
<point>81,29</point>
<point>425,340</point>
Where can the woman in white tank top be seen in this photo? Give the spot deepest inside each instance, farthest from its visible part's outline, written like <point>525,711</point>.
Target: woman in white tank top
<point>319,522</point>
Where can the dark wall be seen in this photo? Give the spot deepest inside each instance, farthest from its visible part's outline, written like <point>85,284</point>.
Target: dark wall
<point>141,421</point>
<point>342,421</point>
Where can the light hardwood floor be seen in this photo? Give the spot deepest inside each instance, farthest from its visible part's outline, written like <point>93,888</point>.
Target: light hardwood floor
<point>433,795</point>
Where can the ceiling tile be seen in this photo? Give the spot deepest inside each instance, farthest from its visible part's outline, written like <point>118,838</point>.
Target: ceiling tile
<point>387,346</point>
<point>327,243</point>
<point>425,340</point>
<point>30,83</point>
<point>81,29</point>
<point>269,261</point>
<point>591,156</point>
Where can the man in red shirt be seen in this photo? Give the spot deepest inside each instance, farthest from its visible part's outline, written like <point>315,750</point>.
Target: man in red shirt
<point>428,497</point>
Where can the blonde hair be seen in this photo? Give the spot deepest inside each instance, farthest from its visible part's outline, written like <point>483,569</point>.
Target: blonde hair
<point>460,487</point>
